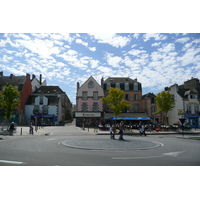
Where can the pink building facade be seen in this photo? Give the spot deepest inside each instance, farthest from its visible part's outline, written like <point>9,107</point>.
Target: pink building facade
<point>89,105</point>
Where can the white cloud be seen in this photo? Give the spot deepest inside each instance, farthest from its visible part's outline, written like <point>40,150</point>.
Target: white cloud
<point>166,48</point>
<point>183,40</point>
<point>92,48</point>
<point>156,36</point>
<point>111,38</point>
<point>156,44</point>
<point>79,41</point>
<point>114,61</point>
<point>136,52</point>
<point>136,35</point>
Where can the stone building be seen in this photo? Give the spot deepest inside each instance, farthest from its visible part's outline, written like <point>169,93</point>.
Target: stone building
<point>89,106</point>
<point>132,94</point>
<point>23,85</point>
<point>48,105</point>
<point>187,102</point>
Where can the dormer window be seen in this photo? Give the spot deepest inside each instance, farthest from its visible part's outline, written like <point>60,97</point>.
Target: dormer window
<point>193,96</point>
<point>91,84</point>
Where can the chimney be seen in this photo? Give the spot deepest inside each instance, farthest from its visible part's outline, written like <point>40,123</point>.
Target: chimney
<point>40,79</point>
<point>78,85</point>
<point>1,73</point>
<point>27,75</point>
<point>33,76</point>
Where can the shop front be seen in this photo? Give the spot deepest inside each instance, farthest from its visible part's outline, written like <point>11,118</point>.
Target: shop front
<point>88,119</point>
<point>194,120</point>
<point>44,120</point>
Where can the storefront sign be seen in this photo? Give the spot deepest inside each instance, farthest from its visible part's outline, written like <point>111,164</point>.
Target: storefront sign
<point>81,114</point>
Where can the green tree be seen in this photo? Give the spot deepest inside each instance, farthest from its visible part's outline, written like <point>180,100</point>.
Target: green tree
<point>9,99</point>
<point>165,102</point>
<point>115,100</point>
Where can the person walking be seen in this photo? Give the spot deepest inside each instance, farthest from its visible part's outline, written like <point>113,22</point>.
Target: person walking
<point>12,128</point>
<point>121,126</point>
<point>142,130</point>
<point>111,132</point>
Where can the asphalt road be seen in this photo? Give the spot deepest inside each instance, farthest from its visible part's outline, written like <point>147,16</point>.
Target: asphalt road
<point>70,146</point>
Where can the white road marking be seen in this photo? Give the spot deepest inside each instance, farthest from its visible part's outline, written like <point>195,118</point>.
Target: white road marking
<point>173,154</point>
<point>51,139</point>
<point>10,162</point>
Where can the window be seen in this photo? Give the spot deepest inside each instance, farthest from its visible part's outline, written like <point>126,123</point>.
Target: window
<point>152,100</point>
<point>108,86</point>
<point>135,86</point>
<point>136,97</point>
<point>126,86</point>
<point>84,96</point>
<point>188,108</point>
<point>95,107</point>
<point>41,100</point>
<point>126,97</point>
<point>84,106</point>
<point>153,109</point>
<point>117,85</point>
<point>196,109</point>
<point>136,107</point>
<point>91,84</point>
<point>95,95</point>
<point>192,96</point>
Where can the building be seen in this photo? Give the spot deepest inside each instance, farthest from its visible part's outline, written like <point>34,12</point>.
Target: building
<point>187,103</point>
<point>149,105</point>
<point>89,106</point>
<point>23,85</point>
<point>132,94</point>
<point>48,105</point>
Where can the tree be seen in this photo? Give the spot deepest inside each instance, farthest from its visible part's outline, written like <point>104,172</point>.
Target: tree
<point>115,100</point>
<point>165,102</point>
<point>9,99</point>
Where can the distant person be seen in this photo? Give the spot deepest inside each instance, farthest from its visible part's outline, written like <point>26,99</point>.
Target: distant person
<point>12,128</point>
<point>142,130</point>
<point>121,126</point>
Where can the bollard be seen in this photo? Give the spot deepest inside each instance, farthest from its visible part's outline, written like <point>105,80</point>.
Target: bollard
<point>21,131</point>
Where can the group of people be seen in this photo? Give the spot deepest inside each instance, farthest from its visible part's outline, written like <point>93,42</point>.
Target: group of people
<point>113,131</point>
<point>121,130</point>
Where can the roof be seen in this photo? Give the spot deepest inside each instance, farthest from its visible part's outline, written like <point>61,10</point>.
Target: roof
<point>12,80</point>
<point>120,80</point>
<point>148,95</point>
<point>49,90</point>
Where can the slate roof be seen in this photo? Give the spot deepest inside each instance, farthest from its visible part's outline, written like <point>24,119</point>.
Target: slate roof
<point>49,90</point>
<point>12,80</point>
<point>120,80</point>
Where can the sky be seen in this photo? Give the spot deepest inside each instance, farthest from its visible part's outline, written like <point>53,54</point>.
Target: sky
<point>157,60</point>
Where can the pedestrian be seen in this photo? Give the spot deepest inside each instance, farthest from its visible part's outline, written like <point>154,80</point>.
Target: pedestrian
<point>142,130</point>
<point>12,128</point>
<point>114,131</point>
<point>31,128</point>
<point>121,126</point>
<point>111,132</point>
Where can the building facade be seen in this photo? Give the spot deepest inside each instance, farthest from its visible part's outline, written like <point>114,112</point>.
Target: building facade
<point>48,105</point>
<point>132,94</point>
<point>89,105</point>
<point>149,105</point>
<point>23,85</point>
<point>187,103</point>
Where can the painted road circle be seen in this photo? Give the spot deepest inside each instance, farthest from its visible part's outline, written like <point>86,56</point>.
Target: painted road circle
<point>110,144</point>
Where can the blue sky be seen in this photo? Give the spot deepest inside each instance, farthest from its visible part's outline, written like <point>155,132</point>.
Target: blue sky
<point>156,60</point>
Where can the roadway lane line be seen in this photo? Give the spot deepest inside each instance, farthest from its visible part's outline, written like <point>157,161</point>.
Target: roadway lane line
<point>11,162</point>
<point>50,139</point>
<point>172,154</point>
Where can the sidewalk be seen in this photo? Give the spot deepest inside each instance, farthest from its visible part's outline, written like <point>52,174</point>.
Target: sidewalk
<point>136,132</point>
<point>24,130</point>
